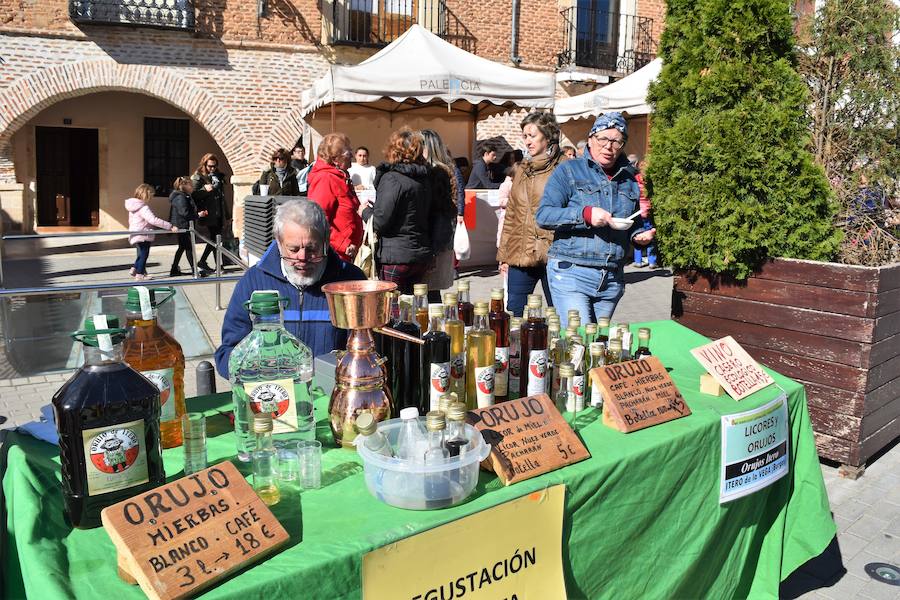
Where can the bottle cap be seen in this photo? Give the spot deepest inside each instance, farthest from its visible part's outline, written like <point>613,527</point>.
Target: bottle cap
<point>534,301</point>
<point>451,298</point>
<point>553,326</point>
<point>496,293</point>
<point>444,403</point>
<point>454,397</point>
<point>566,369</point>
<point>615,345</point>
<point>410,412</point>
<point>262,422</point>
<point>96,328</point>
<point>644,332</point>
<point>515,322</point>
<point>574,322</point>
<point>482,308</point>
<point>436,310</point>
<point>435,421</point>
<point>590,328</point>
<point>462,286</point>
<point>366,424</point>
<point>603,321</point>
<point>156,296</point>
<point>457,412</point>
<point>266,302</point>
<point>551,310</point>
<point>573,312</point>
<point>420,289</point>
<point>597,348</point>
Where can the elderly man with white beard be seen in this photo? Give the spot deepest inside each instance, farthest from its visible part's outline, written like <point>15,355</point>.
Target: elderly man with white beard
<point>296,265</point>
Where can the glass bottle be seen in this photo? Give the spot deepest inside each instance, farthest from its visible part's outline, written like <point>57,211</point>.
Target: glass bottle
<point>383,342</point>
<point>549,312</point>
<point>574,324</point>
<point>370,437</point>
<point>107,417</point>
<point>643,349</point>
<point>590,334</point>
<point>157,356</point>
<point>411,440</point>
<point>572,313</point>
<point>271,371</point>
<point>598,359</point>
<point>420,304</point>
<point>435,360</point>
<point>625,330</point>
<point>456,329</point>
<point>565,397</point>
<point>534,350</point>
<point>556,348</point>
<point>455,440</point>
<point>603,329</point>
<point>480,357</point>
<point>435,424</point>
<point>265,480</point>
<point>464,307</point>
<point>576,357</point>
<point>499,322</point>
<point>406,364</point>
<point>614,351</point>
<point>515,356</point>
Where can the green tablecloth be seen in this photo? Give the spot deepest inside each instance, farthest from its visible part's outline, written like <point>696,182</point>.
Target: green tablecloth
<point>642,517</point>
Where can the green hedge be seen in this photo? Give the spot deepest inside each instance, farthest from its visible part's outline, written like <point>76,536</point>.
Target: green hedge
<point>733,180</point>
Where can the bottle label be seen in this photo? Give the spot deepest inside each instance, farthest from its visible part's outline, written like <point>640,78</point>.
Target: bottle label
<point>570,396</point>
<point>484,386</point>
<point>578,391</point>
<point>537,372</point>
<point>440,383</point>
<point>164,380</point>
<point>276,397</point>
<point>116,457</point>
<point>501,371</point>
<point>458,366</point>
<point>577,353</point>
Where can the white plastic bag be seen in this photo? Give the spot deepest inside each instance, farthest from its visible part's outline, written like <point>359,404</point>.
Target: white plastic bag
<point>461,242</point>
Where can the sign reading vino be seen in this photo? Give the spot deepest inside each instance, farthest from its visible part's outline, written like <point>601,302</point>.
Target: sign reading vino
<point>528,437</point>
<point>182,537</point>
<point>638,394</point>
<point>732,367</point>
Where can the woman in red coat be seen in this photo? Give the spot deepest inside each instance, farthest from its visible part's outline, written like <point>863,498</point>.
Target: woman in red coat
<point>330,188</point>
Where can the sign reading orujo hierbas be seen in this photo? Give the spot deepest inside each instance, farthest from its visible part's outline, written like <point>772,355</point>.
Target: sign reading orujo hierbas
<point>732,367</point>
<point>755,451</point>
<point>182,537</point>
<point>512,551</point>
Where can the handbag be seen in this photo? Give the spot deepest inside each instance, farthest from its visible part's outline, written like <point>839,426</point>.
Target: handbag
<point>365,256</point>
<point>461,245</point>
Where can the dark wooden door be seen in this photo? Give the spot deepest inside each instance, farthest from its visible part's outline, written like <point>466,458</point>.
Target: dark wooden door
<point>67,165</point>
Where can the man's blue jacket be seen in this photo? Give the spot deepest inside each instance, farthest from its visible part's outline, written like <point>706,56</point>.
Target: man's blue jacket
<point>307,318</point>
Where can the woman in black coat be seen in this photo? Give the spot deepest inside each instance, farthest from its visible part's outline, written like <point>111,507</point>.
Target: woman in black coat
<point>402,212</point>
<point>209,194</point>
<point>181,212</point>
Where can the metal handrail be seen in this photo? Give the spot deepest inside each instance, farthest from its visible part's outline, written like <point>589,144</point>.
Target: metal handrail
<point>38,291</point>
<point>35,236</point>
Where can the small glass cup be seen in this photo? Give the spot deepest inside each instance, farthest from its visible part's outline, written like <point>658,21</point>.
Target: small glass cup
<point>310,453</point>
<point>193,427</point>
<point>288,463</point>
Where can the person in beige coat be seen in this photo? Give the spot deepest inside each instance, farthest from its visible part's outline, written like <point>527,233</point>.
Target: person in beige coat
<point>523,245</point>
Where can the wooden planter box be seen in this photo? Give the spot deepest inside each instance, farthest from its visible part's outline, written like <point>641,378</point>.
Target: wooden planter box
<point>835,328</point>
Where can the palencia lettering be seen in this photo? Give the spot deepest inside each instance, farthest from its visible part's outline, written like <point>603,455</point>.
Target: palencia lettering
<point>156,504</point>
<point>476,580</point>
<point>467,85</point>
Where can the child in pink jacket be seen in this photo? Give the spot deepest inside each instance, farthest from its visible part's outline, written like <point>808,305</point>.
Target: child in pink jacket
<point>141,218</point>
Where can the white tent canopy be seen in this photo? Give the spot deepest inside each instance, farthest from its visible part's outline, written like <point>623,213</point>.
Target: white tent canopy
<point>420,69</point>
<point>628,95</point>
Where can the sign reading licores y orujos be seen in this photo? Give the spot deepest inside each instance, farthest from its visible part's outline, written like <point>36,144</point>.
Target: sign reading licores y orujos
<point>638,394</point>
<point>183,536</point>
<point>732,367</point>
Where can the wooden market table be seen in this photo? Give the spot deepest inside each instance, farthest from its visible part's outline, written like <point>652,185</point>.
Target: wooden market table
<point>642,516</point>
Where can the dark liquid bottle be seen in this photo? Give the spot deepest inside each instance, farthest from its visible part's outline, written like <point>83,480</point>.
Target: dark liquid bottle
<point>406,365</point>
<point>533,356</point>
<point>643,349</point>
<point>435,361</point>
<point>383,343</point>
<point>499,324</point>
<point>465,308</point>
<point>107,415</point>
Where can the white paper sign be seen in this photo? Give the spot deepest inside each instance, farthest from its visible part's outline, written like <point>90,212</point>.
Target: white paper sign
<point>755,450</point>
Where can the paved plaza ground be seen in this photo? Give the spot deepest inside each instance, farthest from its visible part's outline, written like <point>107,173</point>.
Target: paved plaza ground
<point>867,511</point>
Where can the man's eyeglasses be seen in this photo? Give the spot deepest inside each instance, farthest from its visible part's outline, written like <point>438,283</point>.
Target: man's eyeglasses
<point>605,141</point>
<point>310,255</point>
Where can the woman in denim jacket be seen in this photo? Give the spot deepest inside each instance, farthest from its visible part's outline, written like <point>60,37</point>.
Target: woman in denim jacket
<point>586,260</point>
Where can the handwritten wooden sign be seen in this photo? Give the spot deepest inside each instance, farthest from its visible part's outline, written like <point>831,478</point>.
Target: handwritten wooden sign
<point>638,394</point>
<point>528,437</point>
<point>182,537</point>
<point>732,367</point>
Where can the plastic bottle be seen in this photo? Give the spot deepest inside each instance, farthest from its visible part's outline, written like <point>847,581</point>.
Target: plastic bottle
<point>412,438</point>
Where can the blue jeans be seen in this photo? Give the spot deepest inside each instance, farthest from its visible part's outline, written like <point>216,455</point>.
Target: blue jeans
<point>143,253</point>
<point>520,282</point>
<point>594,291</point>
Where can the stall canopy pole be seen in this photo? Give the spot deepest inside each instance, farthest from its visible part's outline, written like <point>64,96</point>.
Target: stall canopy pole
<point>333,118</point>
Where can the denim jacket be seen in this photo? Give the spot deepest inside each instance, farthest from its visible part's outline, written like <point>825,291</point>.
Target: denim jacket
<point>582,182</point>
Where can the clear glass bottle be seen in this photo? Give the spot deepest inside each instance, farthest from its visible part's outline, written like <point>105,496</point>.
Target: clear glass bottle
<point>590,334</point>
<point>107,417</point>
<point>265,478</point>
<point>603,329</point>
<point>435,424</point>
<point>406,364</point>
<point>550,312</point>
<point>370,437</point>
<point>420,304</point>
<point>625,330</point>
<point>515,356</point>
<point>534,350</point>
<point>598,359</point>
<point>457,332</point>
<point>480,357</point>
<point>614,352</point>
<point>456,440</point>
<point>435,360</point>
<point>573,313</point>
<point>556,348</point>
<point>499,322</point>
<point>271,371</point>
<point>643,349</point>
<point>565,396</point>
<point>150,350</point>
<point>465,308</point>
<point>577,357</point>
<point>574,324</point>
<point>411,440</point>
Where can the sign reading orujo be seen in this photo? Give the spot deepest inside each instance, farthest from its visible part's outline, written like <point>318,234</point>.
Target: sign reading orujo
<point>513,550</point>
<point>755,449</point>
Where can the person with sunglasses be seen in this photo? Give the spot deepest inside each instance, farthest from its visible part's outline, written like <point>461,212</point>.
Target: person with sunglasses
<point>209,195</point>
<point>281,177</point>
<point>586,260</point>
<point>296,265</point>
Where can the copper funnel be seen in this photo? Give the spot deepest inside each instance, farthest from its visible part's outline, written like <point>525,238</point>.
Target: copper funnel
<point>359,304</point>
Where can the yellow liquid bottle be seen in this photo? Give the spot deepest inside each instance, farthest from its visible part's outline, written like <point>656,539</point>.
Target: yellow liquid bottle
<point>480,361</point>
<point>456,329</point>
<point>420,304</point>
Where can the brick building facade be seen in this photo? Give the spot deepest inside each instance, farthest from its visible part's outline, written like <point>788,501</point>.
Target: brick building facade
<point>229,77</point>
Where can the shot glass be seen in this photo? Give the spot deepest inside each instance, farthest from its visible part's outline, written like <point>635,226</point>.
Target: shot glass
<point>310,453</point>
<point>193,427</point>
<point>287,463</point>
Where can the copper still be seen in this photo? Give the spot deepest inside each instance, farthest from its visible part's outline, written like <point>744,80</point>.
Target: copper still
<point>360,384</point>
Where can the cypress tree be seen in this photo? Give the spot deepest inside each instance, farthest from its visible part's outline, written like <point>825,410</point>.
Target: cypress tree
<point>733,180</point>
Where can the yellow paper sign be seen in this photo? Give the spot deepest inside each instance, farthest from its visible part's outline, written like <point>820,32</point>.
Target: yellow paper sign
<point>510,551</point>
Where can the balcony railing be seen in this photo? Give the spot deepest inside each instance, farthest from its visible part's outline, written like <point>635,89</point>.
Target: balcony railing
<point>377,23</point>
<point>609,41</point>
<point>168,14</point>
